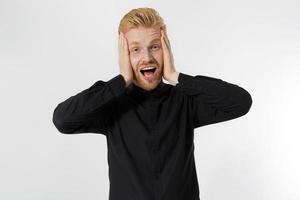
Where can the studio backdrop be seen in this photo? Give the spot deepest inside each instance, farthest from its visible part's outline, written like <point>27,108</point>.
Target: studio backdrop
<point>51,50</point>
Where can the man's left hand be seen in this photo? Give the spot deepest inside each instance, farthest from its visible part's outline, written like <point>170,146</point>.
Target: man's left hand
<point>169,72</point>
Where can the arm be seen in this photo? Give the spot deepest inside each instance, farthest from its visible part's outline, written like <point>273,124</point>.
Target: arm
<point>89,110</point>
<point>213,100</point>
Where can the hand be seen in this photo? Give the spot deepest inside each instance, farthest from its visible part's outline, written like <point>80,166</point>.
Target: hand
<point>124,60</point>
<point>169,71</point>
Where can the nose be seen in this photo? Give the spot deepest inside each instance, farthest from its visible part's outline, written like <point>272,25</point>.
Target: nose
<point>147,56</point>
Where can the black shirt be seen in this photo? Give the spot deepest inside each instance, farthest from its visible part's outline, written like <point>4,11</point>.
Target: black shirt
<point>150,134</point>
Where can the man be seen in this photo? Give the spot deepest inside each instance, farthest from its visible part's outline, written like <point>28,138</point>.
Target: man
<point>149,125</point>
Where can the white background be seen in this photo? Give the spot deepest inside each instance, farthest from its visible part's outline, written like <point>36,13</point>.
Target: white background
<point>50,50</point>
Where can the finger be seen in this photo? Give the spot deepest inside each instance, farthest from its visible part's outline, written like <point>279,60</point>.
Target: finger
<point>119,43</point>
<point>125,42</point>
<point>126,45</point>
<point>122,40</point>
<point>167,47</point>
<point>166,35</point>
<point>167,44</point>
<point>165,40</point>
<point>162,41</point>
<point>162,33</point>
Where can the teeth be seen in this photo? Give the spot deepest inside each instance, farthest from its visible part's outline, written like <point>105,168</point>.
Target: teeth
<point>148,68</point>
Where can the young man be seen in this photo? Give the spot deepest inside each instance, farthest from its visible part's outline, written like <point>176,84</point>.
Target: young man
<point>149,125</point>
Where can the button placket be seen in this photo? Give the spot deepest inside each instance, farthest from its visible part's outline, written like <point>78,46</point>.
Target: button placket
<point>151,113</point>
<point>155,144</point>
<point>155,150</point>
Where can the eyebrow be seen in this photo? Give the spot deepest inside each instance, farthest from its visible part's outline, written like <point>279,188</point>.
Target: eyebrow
<point>156,39</point>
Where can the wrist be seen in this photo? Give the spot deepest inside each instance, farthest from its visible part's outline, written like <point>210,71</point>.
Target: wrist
<point>173,78</point>
<point>127,80</point>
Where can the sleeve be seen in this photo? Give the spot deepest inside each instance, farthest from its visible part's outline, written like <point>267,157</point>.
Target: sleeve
<point>213,100</point>
<point>89,110</point>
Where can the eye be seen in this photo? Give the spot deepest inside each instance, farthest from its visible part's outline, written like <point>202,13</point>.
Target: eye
<point>134,50</point>
<point>155,46</point>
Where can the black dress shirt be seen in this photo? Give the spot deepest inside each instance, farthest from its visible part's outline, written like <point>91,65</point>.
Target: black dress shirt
<point>150,134</point>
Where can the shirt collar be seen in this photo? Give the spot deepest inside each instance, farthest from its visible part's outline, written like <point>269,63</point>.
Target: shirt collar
<point>140,93</point>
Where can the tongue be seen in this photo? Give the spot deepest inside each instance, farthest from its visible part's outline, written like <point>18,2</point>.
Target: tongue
<point>148,74</point>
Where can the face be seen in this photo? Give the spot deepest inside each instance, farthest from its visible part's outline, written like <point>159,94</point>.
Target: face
<point>145,49</point>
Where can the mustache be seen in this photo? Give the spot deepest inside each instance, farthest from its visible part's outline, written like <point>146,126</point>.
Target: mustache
<point>148,65</point>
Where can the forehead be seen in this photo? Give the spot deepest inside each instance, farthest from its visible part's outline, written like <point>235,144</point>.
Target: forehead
<point>142,35</point>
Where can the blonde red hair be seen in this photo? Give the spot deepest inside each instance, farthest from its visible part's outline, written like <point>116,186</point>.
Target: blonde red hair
<point>144,17</point>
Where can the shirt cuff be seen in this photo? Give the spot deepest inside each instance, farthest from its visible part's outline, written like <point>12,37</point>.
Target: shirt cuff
<point>199,83</point>
<point>186,81</point>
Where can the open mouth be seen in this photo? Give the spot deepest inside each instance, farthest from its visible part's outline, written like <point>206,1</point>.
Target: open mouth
<point>149,71</point>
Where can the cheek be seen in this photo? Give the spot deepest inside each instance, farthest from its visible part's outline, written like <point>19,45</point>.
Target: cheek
<point>159,57</point>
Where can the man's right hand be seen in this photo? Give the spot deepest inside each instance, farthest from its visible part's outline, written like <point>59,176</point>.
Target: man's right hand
<point>124,60</point>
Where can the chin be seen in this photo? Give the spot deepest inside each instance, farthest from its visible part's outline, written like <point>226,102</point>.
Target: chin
<point>147,85</point>
<point>151,86</point>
